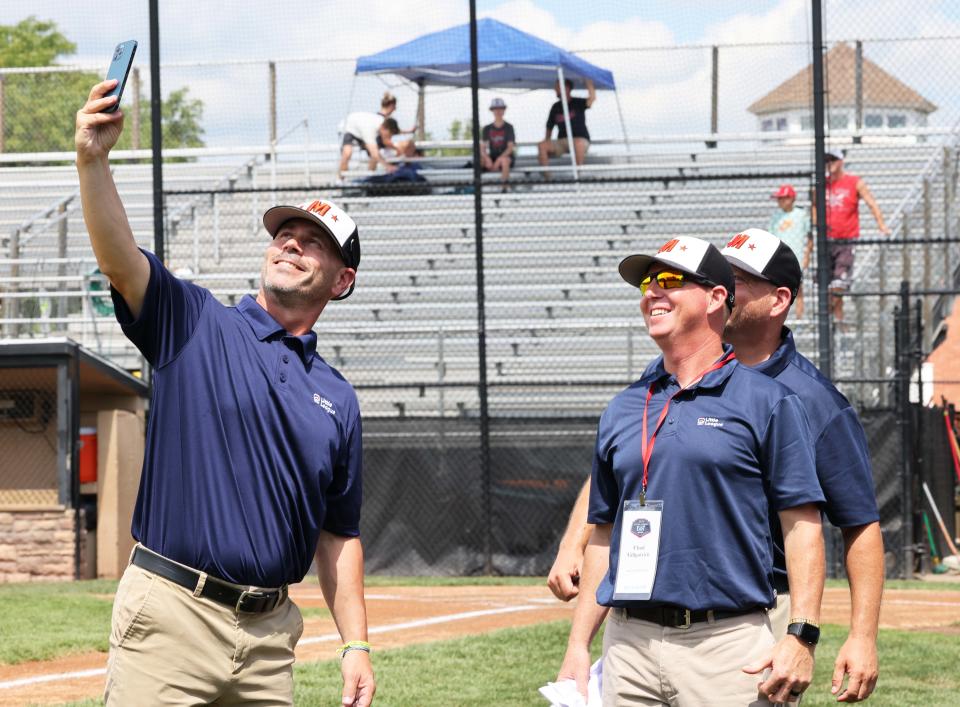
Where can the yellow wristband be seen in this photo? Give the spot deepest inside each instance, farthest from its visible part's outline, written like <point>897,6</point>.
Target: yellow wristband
<point>802,620</point>
<point>353,646</point>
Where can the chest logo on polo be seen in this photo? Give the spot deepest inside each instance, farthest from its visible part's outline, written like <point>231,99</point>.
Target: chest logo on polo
<point>640,527</point>
<point>324,403</point>
<point>709,422</point>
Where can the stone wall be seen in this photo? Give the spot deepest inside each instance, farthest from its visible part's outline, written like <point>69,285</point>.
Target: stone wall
<point>37,544</point>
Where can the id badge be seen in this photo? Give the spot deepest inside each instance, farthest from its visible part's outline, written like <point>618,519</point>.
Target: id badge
<point>639,549</point>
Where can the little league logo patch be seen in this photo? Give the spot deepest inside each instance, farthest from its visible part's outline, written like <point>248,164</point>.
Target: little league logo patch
<point>324,403</point>
<point>640,527</point>
<point>709,422</point>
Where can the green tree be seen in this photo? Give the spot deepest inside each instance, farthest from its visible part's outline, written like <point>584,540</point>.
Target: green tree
<point>458,130</point>
<point>39,108</point>
<point>32,42</point>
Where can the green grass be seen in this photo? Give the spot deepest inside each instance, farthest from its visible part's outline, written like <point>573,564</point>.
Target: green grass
<point>68,617</point>
<point>507,667</point>
<point>503,668</point>
<point>43,621</point>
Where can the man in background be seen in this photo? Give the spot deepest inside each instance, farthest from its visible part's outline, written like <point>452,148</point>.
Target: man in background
<point>844,192</point>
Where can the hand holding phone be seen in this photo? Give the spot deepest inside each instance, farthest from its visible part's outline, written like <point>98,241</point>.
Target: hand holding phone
<point>120,69</point>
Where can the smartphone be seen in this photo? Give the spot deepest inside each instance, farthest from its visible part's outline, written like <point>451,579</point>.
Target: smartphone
<point>120,69</point>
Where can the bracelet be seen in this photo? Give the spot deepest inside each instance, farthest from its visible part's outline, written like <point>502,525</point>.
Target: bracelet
<point>353,646</point>
<point>802,620</point>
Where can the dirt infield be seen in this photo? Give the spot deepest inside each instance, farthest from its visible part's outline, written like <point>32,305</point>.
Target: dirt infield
<point>402,616</point>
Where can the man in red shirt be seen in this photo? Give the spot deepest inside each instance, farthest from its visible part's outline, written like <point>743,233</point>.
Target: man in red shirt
<point>844,192</point>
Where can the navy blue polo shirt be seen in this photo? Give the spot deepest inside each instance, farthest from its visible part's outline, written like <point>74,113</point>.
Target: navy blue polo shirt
<point>253,443</point>
<point>840,445</point>
<point>734,448</point>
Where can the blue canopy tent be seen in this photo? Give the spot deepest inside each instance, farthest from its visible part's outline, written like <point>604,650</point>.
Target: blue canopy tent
<point>506,57</point>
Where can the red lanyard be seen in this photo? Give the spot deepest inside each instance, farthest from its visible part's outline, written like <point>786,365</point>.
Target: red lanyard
<point>646,448</point>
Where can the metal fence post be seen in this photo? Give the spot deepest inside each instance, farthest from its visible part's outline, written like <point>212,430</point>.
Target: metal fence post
<point>61,255</point>
<point>272,89</point>
<point>714,93</point>
<point>858,89</point>
<point>927,236</point>
<point>881,307</point>
<point>905,250</point>
<point>441,376</point>
<point>948,229</point>
<point>12,304</point>
<point>904,422</point>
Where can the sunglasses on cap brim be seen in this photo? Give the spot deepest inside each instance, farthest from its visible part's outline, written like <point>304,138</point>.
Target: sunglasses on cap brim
<point>669,280</point>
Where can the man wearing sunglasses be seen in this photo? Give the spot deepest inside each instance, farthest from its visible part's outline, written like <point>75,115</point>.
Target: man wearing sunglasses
<point>689,462</point>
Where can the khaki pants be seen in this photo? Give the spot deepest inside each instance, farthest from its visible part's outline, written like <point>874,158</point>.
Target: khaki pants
<point>168,647</point>
<point>648,664</point>
<point>780,616</point>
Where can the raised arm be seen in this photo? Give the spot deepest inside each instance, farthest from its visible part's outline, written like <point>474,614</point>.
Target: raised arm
<point>340,571</point>
<point>110,235</point>
<point>591,92</point>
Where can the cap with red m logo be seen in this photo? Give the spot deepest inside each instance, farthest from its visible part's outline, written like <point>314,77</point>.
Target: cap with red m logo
<point>332,220</point>
<point>687,254</point>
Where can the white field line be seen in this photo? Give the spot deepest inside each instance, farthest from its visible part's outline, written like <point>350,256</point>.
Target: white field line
<point>22,682</point>
<point>425,622</point>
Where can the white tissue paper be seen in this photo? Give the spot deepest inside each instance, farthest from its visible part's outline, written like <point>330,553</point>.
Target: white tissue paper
<point>564,693</point>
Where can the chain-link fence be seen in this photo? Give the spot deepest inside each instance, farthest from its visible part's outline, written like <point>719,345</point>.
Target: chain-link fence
<point>28,437</point>
<point>489,327</point>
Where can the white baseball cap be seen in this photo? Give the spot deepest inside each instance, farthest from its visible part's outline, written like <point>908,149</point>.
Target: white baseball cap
<point>333,220</point>
<point>762,254</point>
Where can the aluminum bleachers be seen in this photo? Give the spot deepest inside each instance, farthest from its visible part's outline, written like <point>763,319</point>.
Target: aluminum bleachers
<point>556,309</point>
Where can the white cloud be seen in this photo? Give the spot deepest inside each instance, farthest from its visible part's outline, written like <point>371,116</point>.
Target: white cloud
<point>661,90</point>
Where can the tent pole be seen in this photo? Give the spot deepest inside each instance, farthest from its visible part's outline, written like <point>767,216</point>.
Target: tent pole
<point>623,124</point>
<point>566,121</point>
<point>421,111</point>
<point>353,85</point>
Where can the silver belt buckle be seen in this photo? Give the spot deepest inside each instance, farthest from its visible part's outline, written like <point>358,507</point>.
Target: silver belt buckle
<point>686,619</point>
<point>244,594</point>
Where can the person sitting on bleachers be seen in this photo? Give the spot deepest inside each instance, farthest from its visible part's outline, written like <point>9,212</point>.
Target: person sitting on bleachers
<point>498,143</point>
<point>577,108</point>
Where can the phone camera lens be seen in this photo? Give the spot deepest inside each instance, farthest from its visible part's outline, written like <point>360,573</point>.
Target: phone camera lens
<point>117,52</point>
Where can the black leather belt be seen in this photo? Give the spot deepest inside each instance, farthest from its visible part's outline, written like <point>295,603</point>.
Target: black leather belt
<point>677,617</point>
<point>237,599</point>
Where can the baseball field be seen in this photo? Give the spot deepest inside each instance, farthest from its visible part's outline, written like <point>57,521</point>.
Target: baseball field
<point>451,641</point>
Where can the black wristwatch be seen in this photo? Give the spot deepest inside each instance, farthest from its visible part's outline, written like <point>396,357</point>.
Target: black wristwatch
<point>806,632</point>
